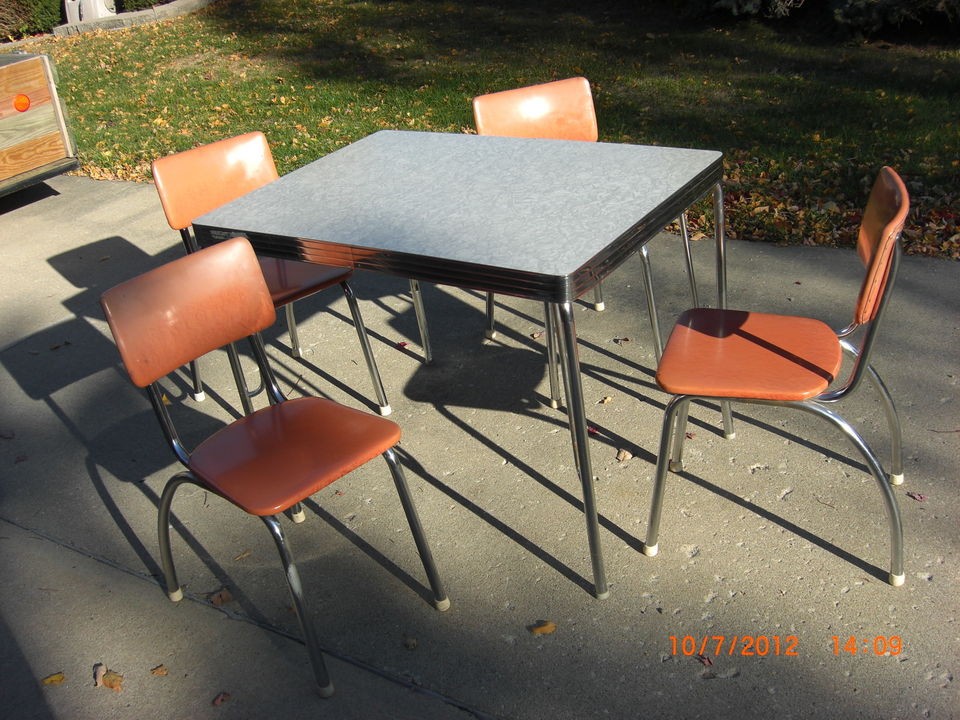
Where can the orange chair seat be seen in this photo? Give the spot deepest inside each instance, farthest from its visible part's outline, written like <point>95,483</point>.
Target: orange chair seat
<point>739,354</point>
<point>274,458</point>
<point>289,280</point>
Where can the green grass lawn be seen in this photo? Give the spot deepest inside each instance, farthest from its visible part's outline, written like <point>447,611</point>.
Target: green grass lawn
<point>804,120</point>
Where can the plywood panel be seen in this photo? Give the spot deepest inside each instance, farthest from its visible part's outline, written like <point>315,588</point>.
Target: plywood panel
<point>30,140</point>
<point>31,154</point>
<point>27,126</point>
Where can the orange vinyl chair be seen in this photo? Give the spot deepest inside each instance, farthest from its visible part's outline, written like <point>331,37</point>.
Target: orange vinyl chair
<point>791,361</point>
<point>197,181</point>
<point>271,460</point>
<point>561,110</point>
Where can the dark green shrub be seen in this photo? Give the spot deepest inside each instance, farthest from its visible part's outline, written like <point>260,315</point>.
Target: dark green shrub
<point>855,17</point>
<point>868,17</point>
<point>19,18</point>
<point>768,8</point>
<point>44,15</point>
<point>133,5</point>
<point>14,18</point>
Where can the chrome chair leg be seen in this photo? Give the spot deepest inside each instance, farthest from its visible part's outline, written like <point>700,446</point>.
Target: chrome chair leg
<point>297,514</point>
<point>651,303</point>
<point>174,591</point>
<point>721,248</point>
<point>896,576</point>
<point>421,321</point>
<point>324,685</point>
<point>491,332</point>
<point>728,432</point>
<point>893,421</point>
<point>671,417</point>
<point>598,303</point>
<point>688,254</point>
<point>889,411</point>
<point>440,600</point>
<point>679,435</point>
<point>295,349</point>
<point>198,394</point>
<point>372,368</point>
<point>241,382</point>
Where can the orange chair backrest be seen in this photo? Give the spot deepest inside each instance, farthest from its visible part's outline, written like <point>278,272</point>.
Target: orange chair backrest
<point>194,182</point>
<point>880,229</point>
<point>560,110</point>
<point>179,311</point>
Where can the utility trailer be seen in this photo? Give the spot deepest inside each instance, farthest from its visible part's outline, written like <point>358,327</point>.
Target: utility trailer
<point>35,143</point>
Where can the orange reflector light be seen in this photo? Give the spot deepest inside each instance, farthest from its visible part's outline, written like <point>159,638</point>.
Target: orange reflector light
<point>21,103</point>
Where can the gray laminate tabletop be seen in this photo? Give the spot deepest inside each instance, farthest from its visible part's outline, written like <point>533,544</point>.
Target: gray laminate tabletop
<point>545,219</point>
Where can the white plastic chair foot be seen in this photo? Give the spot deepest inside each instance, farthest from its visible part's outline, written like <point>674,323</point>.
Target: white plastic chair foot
<point>296,353</point>
<point>298,517</point>
<point>554,403</point>
<point>490,334</point>
<point>385,410</point>
<point>897,580</point>
<point>600,306</point>
<point>325,692</point>
<point>896,479</point>
<point>651,550</point>
<point>199,397</point>
<point>176,595</point>
<point>730,436</point>
<point>675,466</point>
<point>442,605</point>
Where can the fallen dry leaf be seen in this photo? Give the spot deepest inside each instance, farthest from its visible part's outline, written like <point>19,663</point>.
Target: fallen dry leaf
<point>537,334</point>
<point>105,677</point>
<point>243,556</point>
<point>160,671</point>
<point>604,400</point>
<point>623,455</point>
<point>919,497</point>
<point>55,679</point>
<point>220,699</point>
<point>113,680</point>
<point>221,597</point>
<point>543,627</point>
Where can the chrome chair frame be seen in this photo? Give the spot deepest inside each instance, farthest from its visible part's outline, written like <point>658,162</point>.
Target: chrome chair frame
<point>291,573</point>
<point>673,431</point>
